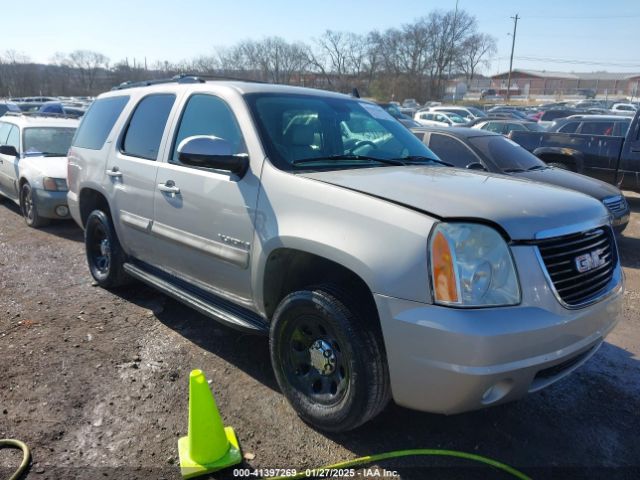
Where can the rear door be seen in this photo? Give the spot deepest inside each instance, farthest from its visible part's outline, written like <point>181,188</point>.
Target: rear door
<point>131,172</point>
<point>205,227</point>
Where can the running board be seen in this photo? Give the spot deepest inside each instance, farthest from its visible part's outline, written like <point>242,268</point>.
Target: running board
<point>218,309</point>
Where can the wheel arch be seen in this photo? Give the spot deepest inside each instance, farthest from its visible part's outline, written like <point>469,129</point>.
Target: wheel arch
<point>287,269</point>
<point>91,199</point>
<point>567,156</point>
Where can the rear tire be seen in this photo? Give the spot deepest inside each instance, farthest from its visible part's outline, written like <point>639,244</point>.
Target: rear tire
<point>328,358</point>
<point>104,254</point>
<point>29,208</point>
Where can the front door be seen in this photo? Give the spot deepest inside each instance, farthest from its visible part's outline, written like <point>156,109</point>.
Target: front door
<point>9,163</point>
<point>204,218</point>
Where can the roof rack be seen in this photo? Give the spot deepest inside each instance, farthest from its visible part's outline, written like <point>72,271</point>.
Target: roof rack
<point>40,114</point>
<point>182,78</point>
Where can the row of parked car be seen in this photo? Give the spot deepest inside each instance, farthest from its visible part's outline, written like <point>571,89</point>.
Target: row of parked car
<point>437,267</point>
<point>69,106</point>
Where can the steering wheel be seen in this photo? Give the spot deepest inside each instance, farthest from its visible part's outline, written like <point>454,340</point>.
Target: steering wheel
<point>362,143</point>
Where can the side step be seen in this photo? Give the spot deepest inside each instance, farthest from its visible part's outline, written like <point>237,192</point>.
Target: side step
<point>205,303</point>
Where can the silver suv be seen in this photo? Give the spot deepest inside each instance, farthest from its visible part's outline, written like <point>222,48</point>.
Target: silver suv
<point>318,219</point>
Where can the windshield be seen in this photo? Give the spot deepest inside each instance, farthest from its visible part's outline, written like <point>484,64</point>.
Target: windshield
<point>455,118</point>
<point>506,154</point>
<point>316,131</point>
<point>47,141</point>
<point>477,112</point>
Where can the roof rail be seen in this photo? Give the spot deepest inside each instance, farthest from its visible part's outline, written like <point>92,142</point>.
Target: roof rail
<point>182,78</point>
<point>40,114</point>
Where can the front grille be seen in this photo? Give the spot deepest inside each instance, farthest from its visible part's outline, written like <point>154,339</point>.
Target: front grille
<point>580,265</point>
<point>616,205</point>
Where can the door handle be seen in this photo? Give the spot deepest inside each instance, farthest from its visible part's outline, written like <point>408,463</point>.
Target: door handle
<point>114,172</point>
<point>169,187</point>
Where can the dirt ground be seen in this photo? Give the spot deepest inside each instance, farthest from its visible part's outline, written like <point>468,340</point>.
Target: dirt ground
<point>96,382</point>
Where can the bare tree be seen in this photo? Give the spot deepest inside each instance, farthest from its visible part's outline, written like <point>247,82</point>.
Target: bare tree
<point>87,65</point>
<point>474,52</point>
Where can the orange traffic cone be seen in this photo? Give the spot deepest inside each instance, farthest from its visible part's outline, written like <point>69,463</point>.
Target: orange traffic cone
<point>209,446</point>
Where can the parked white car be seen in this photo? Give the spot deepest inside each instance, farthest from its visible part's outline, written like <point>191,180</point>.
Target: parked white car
<point>624,107</point>
<point>33,164</point>
<point>439,119</point>
<point>468,113</point>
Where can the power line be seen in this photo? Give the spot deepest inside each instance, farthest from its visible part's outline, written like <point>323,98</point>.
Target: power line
<point>599,17</point>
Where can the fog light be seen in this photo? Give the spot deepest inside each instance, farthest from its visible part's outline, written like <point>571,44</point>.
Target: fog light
<point>62,211</point>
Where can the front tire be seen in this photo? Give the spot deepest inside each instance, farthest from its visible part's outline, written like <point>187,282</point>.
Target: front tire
<point>329,358</point>
<point>29,208</point>
<point>104,254</point>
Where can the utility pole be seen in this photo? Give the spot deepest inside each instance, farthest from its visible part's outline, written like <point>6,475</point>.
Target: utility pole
<point>453,34</point>
<point>513,44</point>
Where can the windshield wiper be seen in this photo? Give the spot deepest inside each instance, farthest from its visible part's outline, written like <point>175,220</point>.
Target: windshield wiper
<point>395,162</point>
<point>513,170</point>
<point>418,158</point>
<point>537,167</point>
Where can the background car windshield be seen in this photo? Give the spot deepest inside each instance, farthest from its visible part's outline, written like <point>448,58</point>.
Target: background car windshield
<point>306,127</point>
<point>505,154</point>
<point>455,118</point>
<point>50,141</point>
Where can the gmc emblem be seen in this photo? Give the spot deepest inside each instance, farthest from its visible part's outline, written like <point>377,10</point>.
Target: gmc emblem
<point>589,261</point>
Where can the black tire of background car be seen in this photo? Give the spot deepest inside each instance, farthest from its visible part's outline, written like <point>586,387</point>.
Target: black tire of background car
<point>99,227</point>
<point>31,217</point>
<point>361,350</point>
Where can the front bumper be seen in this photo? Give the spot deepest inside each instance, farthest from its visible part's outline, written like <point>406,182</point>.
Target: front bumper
<point>451,360</point>
<point>47,202</point>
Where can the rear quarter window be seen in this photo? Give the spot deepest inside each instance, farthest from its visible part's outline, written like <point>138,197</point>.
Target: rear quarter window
<point>98,122</point>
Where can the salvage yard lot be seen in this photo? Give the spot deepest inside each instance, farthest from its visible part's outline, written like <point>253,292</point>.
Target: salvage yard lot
<point>96,383</point>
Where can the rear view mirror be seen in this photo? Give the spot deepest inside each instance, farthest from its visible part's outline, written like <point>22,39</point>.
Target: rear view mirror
<point>476,166</point>
<point>9,150</point>
<point>207,151</point>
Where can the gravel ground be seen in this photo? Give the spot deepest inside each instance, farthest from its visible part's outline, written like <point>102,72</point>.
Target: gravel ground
<point>96,382</point>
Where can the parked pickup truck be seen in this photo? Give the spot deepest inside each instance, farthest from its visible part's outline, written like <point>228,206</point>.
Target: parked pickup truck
<point>319,220</point>
<point>614,160</point>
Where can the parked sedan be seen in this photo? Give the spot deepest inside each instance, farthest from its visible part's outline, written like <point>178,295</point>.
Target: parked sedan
<point>392,109</point>
<point>505,127</point>
<point>477,149</point>
<point>438,119</point>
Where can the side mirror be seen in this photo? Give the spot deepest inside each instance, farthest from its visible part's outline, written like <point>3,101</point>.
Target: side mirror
<point>476,166</point>
<point>207,151</point>
<point>9,150</point>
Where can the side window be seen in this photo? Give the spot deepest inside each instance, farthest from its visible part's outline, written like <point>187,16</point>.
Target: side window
<point>597,128</point>
<point>569,127</point>
<point>494,127</point>
<point>451,150</point>
<point>146,126</point>
<point>620,130</point>
<point>98,122</point>
<point>208,115</point>
<point>14,137</point>
<point>4,132</point>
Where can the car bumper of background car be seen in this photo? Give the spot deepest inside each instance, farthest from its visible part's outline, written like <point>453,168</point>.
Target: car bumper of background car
<point>51,204</point>
<point>452,360</point>
<point>620,222</point>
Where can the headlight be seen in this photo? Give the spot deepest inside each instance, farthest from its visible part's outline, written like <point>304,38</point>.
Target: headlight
<point>54,184</point>
<point>471,266</point>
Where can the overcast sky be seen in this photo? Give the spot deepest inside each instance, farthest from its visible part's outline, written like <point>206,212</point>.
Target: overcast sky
<point>564,35</point>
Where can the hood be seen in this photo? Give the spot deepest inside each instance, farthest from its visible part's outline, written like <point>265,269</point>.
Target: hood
<point>522,208</point>
<point>54,167</point>
<point>564,178</point>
